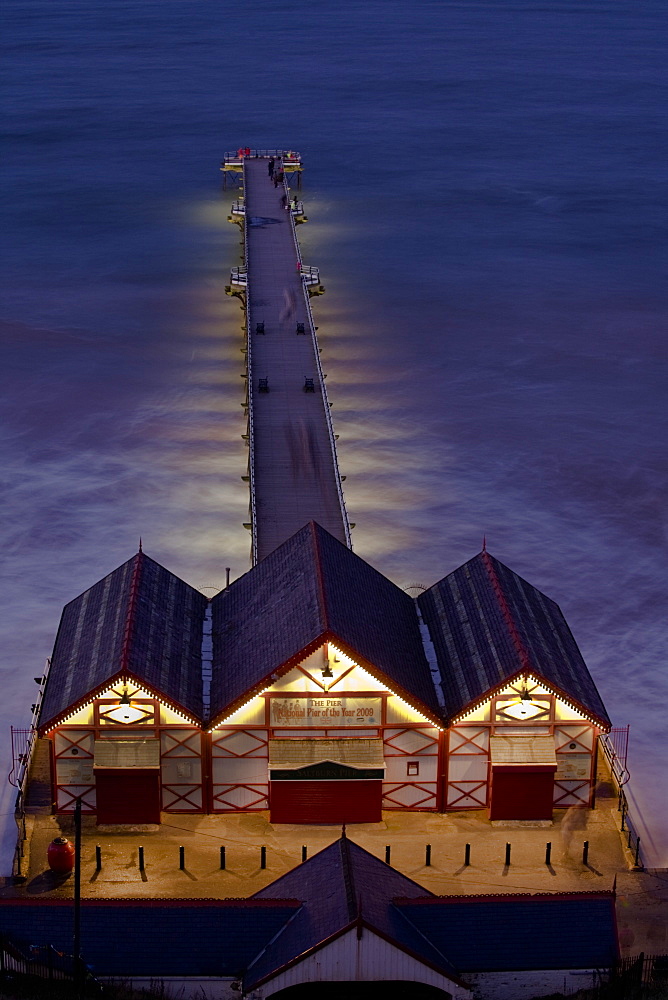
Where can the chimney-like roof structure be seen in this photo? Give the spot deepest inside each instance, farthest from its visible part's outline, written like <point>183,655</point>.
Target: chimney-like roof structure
<point>489,625</point>
<point>310,590</point>
<point>139,623</point>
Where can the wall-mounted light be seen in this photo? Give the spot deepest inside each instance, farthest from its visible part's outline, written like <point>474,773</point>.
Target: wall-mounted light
<point>125,711</point>
<point>524,708</point>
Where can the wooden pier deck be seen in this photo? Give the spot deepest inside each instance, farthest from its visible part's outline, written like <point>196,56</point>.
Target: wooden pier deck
<point>293,470</point>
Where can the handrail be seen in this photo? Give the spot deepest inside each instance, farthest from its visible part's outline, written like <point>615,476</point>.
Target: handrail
<point>321,379</point>
<point>233,156</point>
<point>21,761</point>
<point>249,390</point>
<point>620,776</point>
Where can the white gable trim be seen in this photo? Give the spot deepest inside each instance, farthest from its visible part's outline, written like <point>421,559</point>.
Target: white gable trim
<point>369,958</point>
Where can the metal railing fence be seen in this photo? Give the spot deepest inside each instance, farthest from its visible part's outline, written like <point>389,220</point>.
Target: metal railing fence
<point>23,746</point>
<point>321,378</point>
<point>615,747</point>
<point>249,390</point>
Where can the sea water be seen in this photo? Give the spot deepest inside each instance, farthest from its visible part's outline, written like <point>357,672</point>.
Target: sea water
<point>486,188</point>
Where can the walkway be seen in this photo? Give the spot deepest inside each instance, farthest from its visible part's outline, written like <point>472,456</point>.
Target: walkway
<point>294,473</point>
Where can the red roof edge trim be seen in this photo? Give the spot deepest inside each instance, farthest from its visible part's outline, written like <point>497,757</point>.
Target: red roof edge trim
<point>143,903</point>
<point>505,610</point>
<point>376,672</point>
<point>357,925</point>
<point>175,706</point>
<point>553,688</point>
<point>128,634</point>
<point>98,691</point>
<point>76,706</point>
<point>266,681</point>
<point>253,984</point>
<point>413,954</point>
<point>506,897</point>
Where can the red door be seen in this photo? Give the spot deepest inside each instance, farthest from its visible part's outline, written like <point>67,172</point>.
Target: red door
<point>127,794</point>
<point>522,792</point>
<point>357,801</point>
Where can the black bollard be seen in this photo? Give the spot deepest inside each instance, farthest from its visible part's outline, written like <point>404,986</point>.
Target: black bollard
<point>263,857</point>
<point>141,859</point>
<point>427,855</point>
<point>304,853</point>
<point>98,857</point>
<point>182,858</point>
<point>467,855</point>
<point>507,862</point>
<point>585,852</point>
<point>222,857</point>
<point>548,853</point>
<point>387,854</point>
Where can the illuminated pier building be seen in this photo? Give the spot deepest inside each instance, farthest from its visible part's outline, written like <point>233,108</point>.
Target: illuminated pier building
<point>334,694</point>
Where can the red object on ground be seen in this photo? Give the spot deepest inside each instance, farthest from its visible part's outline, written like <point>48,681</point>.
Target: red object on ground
<point>356,801</point>
<point>60,855</point>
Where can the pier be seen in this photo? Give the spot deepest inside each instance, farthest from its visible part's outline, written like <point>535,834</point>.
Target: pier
<point>293,471</point>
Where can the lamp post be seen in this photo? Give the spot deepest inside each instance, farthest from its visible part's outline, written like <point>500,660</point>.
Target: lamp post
<point>78,978</point>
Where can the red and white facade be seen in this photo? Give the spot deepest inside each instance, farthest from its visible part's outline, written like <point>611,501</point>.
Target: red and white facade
<point>312,748</point>
<point>350,719</point>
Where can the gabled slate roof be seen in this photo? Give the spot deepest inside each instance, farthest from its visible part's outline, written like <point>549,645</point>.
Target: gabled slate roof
<point>139,622</point>
<point>152,937</point>
<point>311,589</point>
<point>543,931</point>
<point>487,625</point>
<point>339,887</point>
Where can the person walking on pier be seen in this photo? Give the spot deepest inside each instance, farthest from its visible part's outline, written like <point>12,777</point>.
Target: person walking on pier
<point>278,178</point>
<point>270,167</point>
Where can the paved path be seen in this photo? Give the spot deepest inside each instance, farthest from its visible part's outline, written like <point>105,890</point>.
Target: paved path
<point>295,475</point>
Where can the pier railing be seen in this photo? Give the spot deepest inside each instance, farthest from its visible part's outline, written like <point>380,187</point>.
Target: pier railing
<point>615,745</point>
<point>321,379</point>
<point>288,157</point>
<point>23,746</point>
<point>249,390</point>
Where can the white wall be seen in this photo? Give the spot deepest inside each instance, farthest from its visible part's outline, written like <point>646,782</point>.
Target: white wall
<point>371,959</point>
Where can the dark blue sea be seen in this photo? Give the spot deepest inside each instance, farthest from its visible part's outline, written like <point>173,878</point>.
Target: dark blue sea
<point>486,184</point>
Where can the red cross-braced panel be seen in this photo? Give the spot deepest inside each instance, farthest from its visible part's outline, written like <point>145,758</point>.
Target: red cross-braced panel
<point>181,798</point>
<point>469,740</point>
<point>573,739</point>
<point>181,770</point>
<point>410,742</point>
<point>181,743</point>
<point>74,769</point>
<point>409,795</point>
<point>240,743</point>
<point>66,797</point>
<point>73,743</point>
<point>467,795</point>
<point>571,793</point>
<point>240,798</point>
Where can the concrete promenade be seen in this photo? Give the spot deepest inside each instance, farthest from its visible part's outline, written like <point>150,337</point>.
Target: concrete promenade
<point>294,474</point>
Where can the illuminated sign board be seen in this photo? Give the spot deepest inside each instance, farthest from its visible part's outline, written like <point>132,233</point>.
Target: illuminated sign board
<point>325,710</point>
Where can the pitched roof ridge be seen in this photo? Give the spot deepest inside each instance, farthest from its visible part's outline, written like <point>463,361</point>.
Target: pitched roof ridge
<point>320,580</point>
<point>128,633</point>
<point>520,648</point>
<point>348,878</point>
